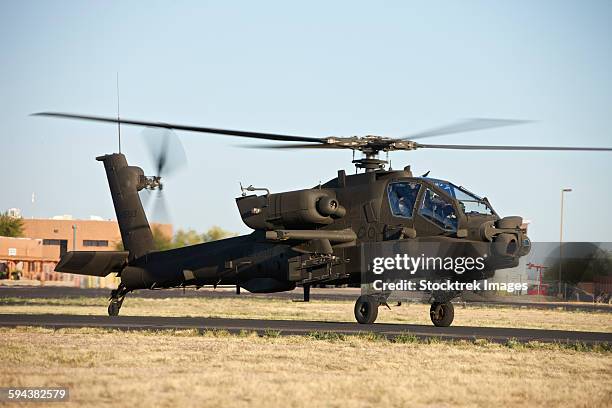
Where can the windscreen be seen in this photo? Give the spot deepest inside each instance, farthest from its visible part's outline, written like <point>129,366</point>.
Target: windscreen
<point>470,203</point>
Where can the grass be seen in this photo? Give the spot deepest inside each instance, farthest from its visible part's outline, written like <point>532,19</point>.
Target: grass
<point>324,310</point>
<point>214,368</point>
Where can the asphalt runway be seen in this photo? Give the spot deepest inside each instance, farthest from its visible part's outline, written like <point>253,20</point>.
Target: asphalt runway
<point>300,327</point>
<point>348,294</point>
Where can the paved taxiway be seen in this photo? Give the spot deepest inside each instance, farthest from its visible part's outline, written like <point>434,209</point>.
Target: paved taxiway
<point>300,327</point>
<point>349,294</point>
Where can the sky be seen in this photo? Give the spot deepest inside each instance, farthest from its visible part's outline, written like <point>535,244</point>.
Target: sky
<point>316,69</point>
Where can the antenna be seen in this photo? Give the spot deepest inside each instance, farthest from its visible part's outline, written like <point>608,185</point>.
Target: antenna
<point>118,118</point>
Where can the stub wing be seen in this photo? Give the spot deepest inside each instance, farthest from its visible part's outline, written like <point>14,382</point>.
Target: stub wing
<point>92,263</point>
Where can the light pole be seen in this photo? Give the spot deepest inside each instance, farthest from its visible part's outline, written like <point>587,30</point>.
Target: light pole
<point>74,231</point>
<point>563,191</point>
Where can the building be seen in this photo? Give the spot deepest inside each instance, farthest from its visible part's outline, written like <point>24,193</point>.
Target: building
<point>74,235</point>
<point>27,255</point>
<point>35,255</point>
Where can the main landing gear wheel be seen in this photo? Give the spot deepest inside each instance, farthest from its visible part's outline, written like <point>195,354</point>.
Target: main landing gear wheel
<point>442,314</point>
<point>366,309</point>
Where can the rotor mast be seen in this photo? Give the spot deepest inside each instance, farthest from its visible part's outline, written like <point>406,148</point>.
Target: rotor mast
<point>370,161</point>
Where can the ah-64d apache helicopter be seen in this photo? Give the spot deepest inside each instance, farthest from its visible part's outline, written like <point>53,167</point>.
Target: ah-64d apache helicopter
<point>314,235</point>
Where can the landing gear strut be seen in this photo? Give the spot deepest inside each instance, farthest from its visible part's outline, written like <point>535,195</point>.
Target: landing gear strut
<point>442,313</point>
<point>116,300</point>
<point>306,293</point>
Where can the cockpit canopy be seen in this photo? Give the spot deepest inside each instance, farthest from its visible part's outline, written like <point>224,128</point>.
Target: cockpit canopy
<point>435,205</point>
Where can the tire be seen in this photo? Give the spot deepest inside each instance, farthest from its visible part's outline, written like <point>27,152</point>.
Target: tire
<point>113,308</point>
<point>366,309</point>
<point>442,314</point>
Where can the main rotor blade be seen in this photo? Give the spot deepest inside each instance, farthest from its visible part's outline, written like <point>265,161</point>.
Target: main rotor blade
<point>254,135</point>
<point>480,147</point>
<point>468,125</point>
<point>294,146</point>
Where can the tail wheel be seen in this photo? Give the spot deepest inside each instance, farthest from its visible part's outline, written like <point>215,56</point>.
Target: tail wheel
<point>442,314</point>
<point>366,309</point>
<point>113,307</point>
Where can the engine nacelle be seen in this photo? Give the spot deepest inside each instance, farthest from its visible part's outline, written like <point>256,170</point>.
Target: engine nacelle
<point>301,209</point>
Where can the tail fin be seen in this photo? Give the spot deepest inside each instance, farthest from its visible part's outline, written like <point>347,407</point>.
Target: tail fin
<point>125,182</point>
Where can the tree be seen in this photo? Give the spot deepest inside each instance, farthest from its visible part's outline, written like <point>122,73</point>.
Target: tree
<point>215,233</point>
<point>191,237</point>
<point>10,226</point>
<point>161,241</point>
<point>183,238</point>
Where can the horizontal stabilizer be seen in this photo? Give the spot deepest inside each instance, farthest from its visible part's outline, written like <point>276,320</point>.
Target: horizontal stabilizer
<point>92,263</point>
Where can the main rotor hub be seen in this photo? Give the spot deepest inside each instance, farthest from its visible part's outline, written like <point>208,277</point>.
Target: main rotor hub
<point>371,146</point>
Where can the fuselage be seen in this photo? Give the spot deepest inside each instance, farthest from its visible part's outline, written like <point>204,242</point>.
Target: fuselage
<point>380,208</point>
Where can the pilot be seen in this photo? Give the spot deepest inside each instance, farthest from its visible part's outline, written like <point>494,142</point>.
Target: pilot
<point>404,207</point>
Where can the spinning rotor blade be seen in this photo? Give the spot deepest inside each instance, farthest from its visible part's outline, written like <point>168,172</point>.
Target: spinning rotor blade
<point>253,135</point>
<point>371,144</point>
<point>155,205</point>
<point>145,199</point>
<point>437,146</point>
<point>480,147</point>
<point>468,125</point>
<point>160,208</point>
<point>168,156</point>
<point>166,150</point>
<point>295,146</point>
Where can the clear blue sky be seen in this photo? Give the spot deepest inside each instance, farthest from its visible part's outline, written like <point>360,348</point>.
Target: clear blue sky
<point>318,68</point>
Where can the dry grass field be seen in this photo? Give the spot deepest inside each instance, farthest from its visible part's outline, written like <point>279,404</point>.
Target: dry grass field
<point>326,310</point>
<point>170,369</point>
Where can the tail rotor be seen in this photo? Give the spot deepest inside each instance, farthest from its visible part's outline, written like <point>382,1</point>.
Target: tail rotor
<point>167,156</point>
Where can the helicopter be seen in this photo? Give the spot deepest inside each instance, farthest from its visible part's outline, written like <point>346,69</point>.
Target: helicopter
<point>326,234</point>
